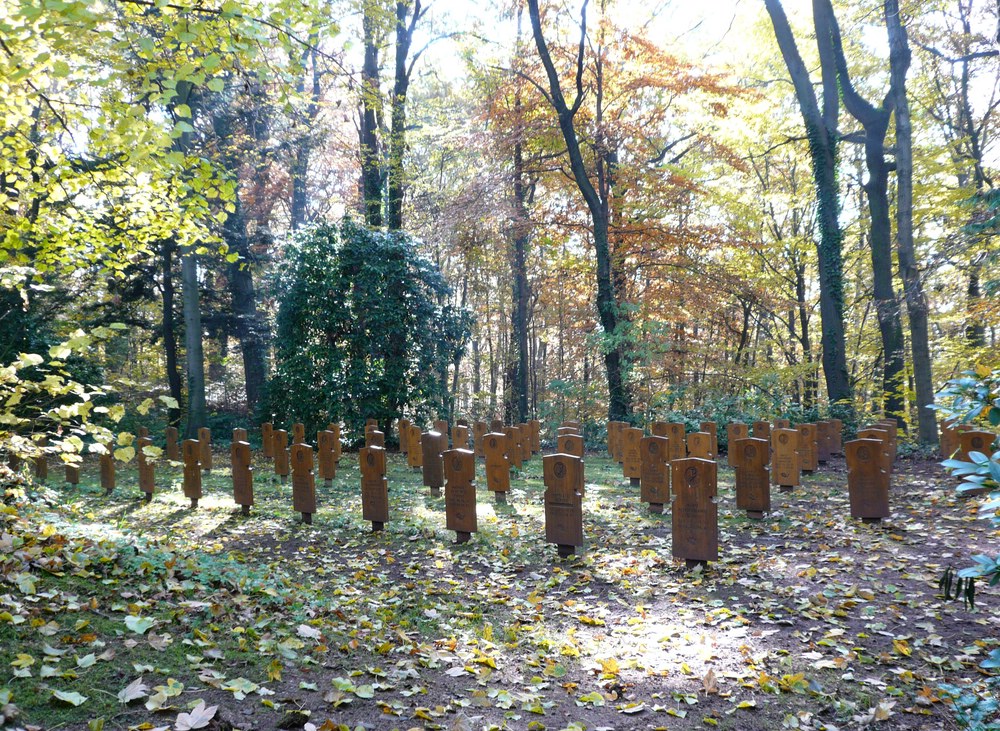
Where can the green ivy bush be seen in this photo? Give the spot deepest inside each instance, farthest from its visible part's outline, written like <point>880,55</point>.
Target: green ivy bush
<point>365,328</point>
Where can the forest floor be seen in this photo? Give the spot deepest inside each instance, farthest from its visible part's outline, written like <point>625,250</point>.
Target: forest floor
<point>119,614</point>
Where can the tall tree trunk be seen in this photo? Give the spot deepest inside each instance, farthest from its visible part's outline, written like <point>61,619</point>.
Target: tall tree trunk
<point>249,329</point>
<point>913,288</point>
<point>194,354</point>
<point>372,176</point>
<point>619,400</point>
<point>821,131</point>
<point>397,132</point>
<point>170,335</point>
<point>300,164</point>
<point>875,122</point>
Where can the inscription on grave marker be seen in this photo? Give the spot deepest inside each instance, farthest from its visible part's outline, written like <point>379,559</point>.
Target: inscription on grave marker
<point>695,518</point>
<point>563,502</point>
<point>374,488</point>
<point>460,493</point>
<point>655,482</point>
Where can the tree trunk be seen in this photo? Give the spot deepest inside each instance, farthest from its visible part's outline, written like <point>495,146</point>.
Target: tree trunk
<point>170,335</point>
<point>194,355</point>
<point>821,131</point>
<point>619,401</point>
<point>397,132</point>
<point>300,164</point>
<point>913,289</point>
<point>249,329</point>
<point>372,176</point>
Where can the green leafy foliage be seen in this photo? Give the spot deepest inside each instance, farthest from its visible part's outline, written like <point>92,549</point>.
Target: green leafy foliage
<point>365,329</point>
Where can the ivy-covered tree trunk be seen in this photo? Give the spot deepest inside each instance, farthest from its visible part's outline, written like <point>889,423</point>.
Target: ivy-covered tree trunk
<point>372,177</point>
<point>397,132</point>
<point>821,132</point>
<point>913,288</point>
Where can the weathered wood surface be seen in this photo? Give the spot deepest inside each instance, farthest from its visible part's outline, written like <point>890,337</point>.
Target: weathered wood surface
<point>654,485</point>
<point>497,463</point>
<point>191,454</point>
<point>734,431</point>
<point>695,515</point>
<point>433,444</point>
<point>374,488</point>
<point>808,456</point>
<point>241,459</point>
<point>699,445</point>
<point>563,502</point>
<point>867,482</point>
<point>303,481</point>
<point>785,464</point>
<point>460,493</point>
<point>753,484</point>
<point>205,448</point>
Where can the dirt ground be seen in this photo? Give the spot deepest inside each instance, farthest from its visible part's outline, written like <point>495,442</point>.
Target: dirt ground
<point>809,619</point>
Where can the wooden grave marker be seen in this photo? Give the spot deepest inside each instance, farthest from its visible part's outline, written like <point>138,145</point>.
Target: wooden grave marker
<point>514,453</point>
<point>432,444</point>
<point>712,428</point>
<point>303,482</point>
<point>808,456</point>
<point>147,481</point>
<point>479,431</point>
<point>699,445</point>
<point>497,465</point>
<point>949,438</point>
<point>892,427</point>
<point>574,424</point>
<point>975,440</point>
<point>267,439</point>
<point>496,426</point>
<point>374,487</point>
<point>371,421</point>
<point>415,457</point>
<point>173,444</point>
<point>695,519</point>
<point>881,434</point>
<point>460,493</point>
<point>734,431</point>
<point>205,448</point>
<point>374,438</point>
<point>280,452</point>
<point>619,455</point>
<point>573,444</point>
<point>836,436</point>
<point>762,430</point>
<point>753,483</point>
<point>240,435</point>
<point>324,456</point>
<point>782,424</point>
<point>632,455</point>
<point>403,425</point>
<point>142,432</point>
<point>337,446</point>
<point>611,438</point>
<point>566,430</point>
<point>785,465</point>
<point>563,502</point>
<point>72,474</point>
<point>241,459</point>
<point>535,428</point>
<point>660,429</point>
<point>867,483</point>
<point>678,445</point>
<point>298,433</point>
<point>107,462</point>
<point>524,434</point>
<point>822,441</point>
<point>654,487</point>
<point>441,427</point>
<point>191,453</point>
<point>459,438</point>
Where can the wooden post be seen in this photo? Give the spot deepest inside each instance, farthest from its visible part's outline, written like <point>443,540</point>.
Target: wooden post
<point>711,428</point>
<point>785,466</point>
<point>734,432</point>
<point>563,502</point>
<point>699,445</point>
<point>280,451</point>
<point>866,480</point>
<point>415,457</point>
<point>655,482</point>
<point>497,466</point>
<point>808,457</point>
<point>147,481</point>
<point>753,484</point>
<point>267,439</point>
<point>241,459</point>
<point>327,464</point>
<point>205,448</point>
<point>460,493</point>
<point>303,482</point>
<point>632,455</point>
<point>432,443</point>
<point>191,451</point>
<point>695,519</point>
<point>374,488</point>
